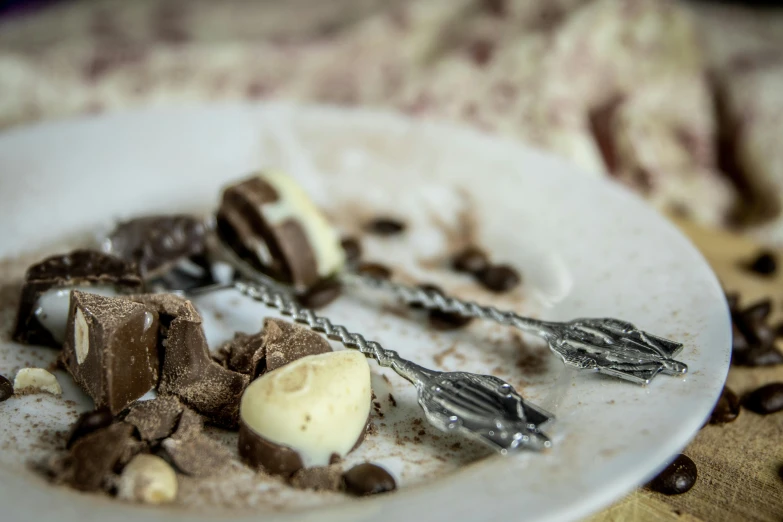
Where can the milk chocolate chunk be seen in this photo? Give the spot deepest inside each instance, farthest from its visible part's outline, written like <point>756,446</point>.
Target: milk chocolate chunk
<point>44,304</point>
<point>89,422</point>
<point>321,478</point>
<point>285,342</point>
<point>189,373</point>
<point>271,222</point>
<point>6,388</point>
<point>155,419</point>
<point>368,479</point>
<point>93,457</point>
<point>167,305</point>
<point>156,243</point>
<point>193,452</point>
<point>245,353</point>
<point>111,349</point>
<point>302,414</point>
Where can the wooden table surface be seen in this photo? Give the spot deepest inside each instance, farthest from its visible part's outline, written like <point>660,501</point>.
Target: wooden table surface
<point>738,463</point>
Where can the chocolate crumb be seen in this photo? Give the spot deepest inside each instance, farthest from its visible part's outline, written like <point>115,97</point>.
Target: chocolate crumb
<point>375,270</point>
<point>677,478</point>
<point>352,249</point>
<point>471,260</point>
<point>384,226</point>
<point>456,446</point>
<point>89,422</point>
<point>192,452</point>
<point>392,400</point>
<point>155,419</point>
<point>765,263</point>
<point>322,478</point>
<point>421,432</point>
<point>727,409</point>
<point>499,278</point>
<point>6,388</point>
<point>443,321</point>
<point>368,479</point>
<point>765,400</point>
<point>321,294</point>
<point>93,457</point>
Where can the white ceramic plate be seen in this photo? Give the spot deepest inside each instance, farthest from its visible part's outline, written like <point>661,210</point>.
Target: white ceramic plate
<point>586,248</point>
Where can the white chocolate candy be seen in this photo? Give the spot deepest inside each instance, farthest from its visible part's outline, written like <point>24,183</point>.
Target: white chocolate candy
<point>317,405</point>
<point>32,380</point>
<point>52,307</point>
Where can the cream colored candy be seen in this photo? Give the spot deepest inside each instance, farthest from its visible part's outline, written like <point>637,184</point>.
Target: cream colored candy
<point>317,405</point>
<point>32,380</point>
<point>294,203</point>
<point>148,479</point>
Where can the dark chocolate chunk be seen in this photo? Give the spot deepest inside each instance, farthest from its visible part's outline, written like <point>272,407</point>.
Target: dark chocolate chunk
<point>193,452</point>
<point>320,294</point>
<point>727,409</point>
<point>428,288</point>
<point>765,400</point>
<point>285,342</point>
<point>111,349</point>
<point>440,320</point>
<point>244,354</point>
<point>78,268</point>
<point>321,478</point>
<point>765,263</point>
<point>471,260</point>
<point>155,419</point>
<point>92,458</point>
<point>189,373</point>
<point>499,278</point>
<point>156,243</point>
<point>677,478</point>
<point>259,453</point>
<point>375,270</point>
<point>88,422</point>
<point>384,226</point>
<point>368,479</point>
<point>6,388</point>
<point>352,249</point>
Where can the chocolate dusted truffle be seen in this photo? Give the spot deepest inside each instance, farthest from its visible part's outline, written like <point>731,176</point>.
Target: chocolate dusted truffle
<point>111,349</point>
<point>191,451</point>
<point>44,303</point>
<point>271,222</point>
<point>155,419</point>
<point>189,373</point>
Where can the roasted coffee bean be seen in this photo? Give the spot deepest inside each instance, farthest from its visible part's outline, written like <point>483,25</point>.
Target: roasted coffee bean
<point>727,409</point>
<point>376,270</point>
<point>765,263</point>
<point>352,249</point>
<point>732,300</point>
<point>6,388</point>
<point>321,294</point>
<point>761,356</point>
<point>758,311</point>
<point>368,479</point>
<point>765,400</point>
<point>447,320</point>
<point>499,278</point>
<point>471,260</point>
<point>430,288</point>
<point>678,477</point>
<point>739,341</point>
<point>88,422</point>
<point>384,226</point>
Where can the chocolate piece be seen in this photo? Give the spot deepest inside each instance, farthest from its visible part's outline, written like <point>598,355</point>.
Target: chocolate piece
<point>155,419</point>
<point>375,270</point>
<point>192,452</point>
<point>6,388</point>
<point>89,422</point>
<point>320,294</point>
<point>285,342</point>
<point>765,400</point>
<point>727,409</point>
<point>384,226</point>
<point>93,457</point>
<point>444,321</point>
<point>352,249</point>
<point>80,268</point>
<point>471,260</point>
<point>111,349</point>
<point>189,373</point>
<point>677,478</point>
<point>245,354</point>
<point>321,478</point>
<point>156,243</point>
<point>765,263</point>
<point>368,479</point>
<point>167,305</point>
<point>430,288</point>
<point>499,278</point>
<point>269,221</point>
<point>303,414</point>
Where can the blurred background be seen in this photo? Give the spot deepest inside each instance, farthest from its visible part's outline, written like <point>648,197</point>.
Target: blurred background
<point>680,100</point>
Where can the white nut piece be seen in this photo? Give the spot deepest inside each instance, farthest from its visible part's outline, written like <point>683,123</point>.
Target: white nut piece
<point>81,334</point>
<point>36,380</point>
<point>148,479</point>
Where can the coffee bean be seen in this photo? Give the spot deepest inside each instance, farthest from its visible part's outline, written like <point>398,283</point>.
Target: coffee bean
<point>430,288</point>
<point>765,400</point>
<point>739,341</point>
<point>447,320</point>
<point>321,294</point>
<point>727,409</point>
<point>88,422</point>
<point>757,312</point>
<point>732,300</point>
<point>6,388</point>
<point>352,248</point>
<point>780,472</point>
<point>384,226</point>
<point>678,477</point>
<point>761,356</point>
<point>765,263</point>
<point>499,278</point>
<point>376,270</point>
<point>471,260</point>
<point>368,479</point>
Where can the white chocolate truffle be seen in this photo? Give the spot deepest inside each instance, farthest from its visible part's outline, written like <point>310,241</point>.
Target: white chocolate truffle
<point>317,406</point>
<point>148,479</point>
<point>34,380</point>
